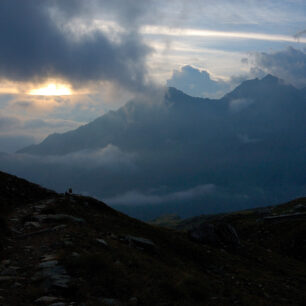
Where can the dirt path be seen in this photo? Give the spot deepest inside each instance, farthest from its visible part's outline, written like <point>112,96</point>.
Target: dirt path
<point>31,266</point>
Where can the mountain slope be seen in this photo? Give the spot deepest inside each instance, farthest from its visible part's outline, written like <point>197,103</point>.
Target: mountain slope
<point>74,249</point>
<point>184,155</point>
<point>268,101</point>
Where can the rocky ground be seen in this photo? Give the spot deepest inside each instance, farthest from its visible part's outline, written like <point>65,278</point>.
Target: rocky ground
<point>66,249</point>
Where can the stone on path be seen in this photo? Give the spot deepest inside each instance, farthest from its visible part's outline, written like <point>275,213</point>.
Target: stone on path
<point>102,241</point>
<point>46,299</point>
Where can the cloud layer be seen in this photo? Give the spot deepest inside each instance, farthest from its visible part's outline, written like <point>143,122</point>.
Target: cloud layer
<point>139,198</point>
<point>36,44</point>
<point>198,83</point>
<point>288,64</point>
<point>17,132</point>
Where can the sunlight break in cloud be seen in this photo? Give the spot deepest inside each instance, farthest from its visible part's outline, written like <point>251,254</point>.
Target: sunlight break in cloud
<point>51,89</point>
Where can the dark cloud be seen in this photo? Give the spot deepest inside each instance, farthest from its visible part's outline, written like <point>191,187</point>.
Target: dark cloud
<point>197,82</point>
<point>130,13</point>
<point>289,65</point>
<point>34,46</point>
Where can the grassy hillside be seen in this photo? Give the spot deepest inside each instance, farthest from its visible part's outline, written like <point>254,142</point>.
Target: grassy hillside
<point>75,249</point>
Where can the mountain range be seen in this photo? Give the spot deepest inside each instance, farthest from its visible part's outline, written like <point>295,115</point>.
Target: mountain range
<point>183,154</point>
<point>256,109</point>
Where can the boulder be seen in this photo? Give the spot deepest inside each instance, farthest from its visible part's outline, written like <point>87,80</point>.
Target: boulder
<point>102,242</point>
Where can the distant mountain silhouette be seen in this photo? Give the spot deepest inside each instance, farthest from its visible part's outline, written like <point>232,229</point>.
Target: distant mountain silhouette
<point>185,155</point>
<point>257,109</point>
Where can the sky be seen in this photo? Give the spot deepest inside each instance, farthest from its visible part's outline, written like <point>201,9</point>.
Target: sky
<point>65,63</point>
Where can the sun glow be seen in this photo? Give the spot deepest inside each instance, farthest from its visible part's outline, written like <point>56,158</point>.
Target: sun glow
<point>51,89</point>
